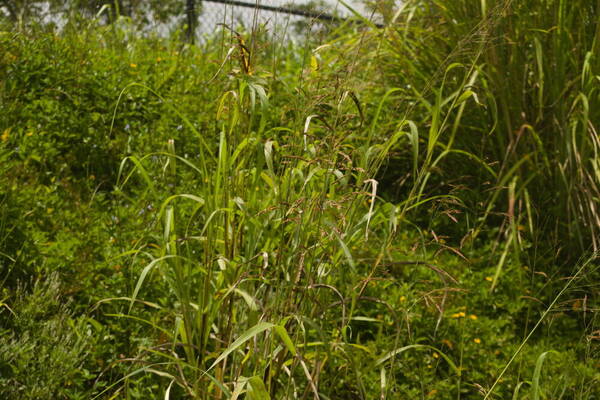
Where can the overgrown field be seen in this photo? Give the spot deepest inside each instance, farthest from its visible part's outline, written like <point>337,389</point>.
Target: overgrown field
<point>407,212</point>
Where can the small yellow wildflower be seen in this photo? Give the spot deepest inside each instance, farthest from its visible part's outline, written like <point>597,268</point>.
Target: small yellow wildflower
<point>158,59</point>
<point>473,317</point>
<point>436,355</point>
<point>5,135</point>
<point>488,278</point>
<point>477,340</point>
<point>402,299</point>
<point>132,65</point>
<point>459,315</point>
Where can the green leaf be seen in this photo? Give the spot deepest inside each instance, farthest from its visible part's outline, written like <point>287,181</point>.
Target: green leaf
<point>257,389</point>
<point>535,382</point>
<point>249,334</point>
<point>285,338</point>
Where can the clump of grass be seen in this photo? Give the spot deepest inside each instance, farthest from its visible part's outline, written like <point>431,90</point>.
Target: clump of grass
<point>528,129</point>
<point>265,232</point>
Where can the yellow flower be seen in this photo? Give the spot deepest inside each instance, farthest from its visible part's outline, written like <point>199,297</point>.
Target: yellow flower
<point>402,299</point>
<point>477,340</point>
<point>459,315</point>
<point>158,59</point>
<point>488,278</point>
<point>473,317</point>
<point>5,135</point>
<point>436,355</point>
<point>132,65</point>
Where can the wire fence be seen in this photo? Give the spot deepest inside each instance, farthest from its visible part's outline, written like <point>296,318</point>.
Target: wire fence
<point>283,20</point>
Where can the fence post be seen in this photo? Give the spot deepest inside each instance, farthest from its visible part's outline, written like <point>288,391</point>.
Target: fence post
<point>192,20</point>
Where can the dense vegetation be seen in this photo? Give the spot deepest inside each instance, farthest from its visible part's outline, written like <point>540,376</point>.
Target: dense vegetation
<point>386,213</point>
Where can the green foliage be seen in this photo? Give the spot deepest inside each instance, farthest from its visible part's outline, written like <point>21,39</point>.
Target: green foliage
<point>522,129</point>
<point>42,347</point>
<point>359,220</point>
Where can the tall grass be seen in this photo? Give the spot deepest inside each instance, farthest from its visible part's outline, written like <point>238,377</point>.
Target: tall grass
<point>259,236</point>
<point>529,129</point>
<point>277,216</point>
<point>347,219</point>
